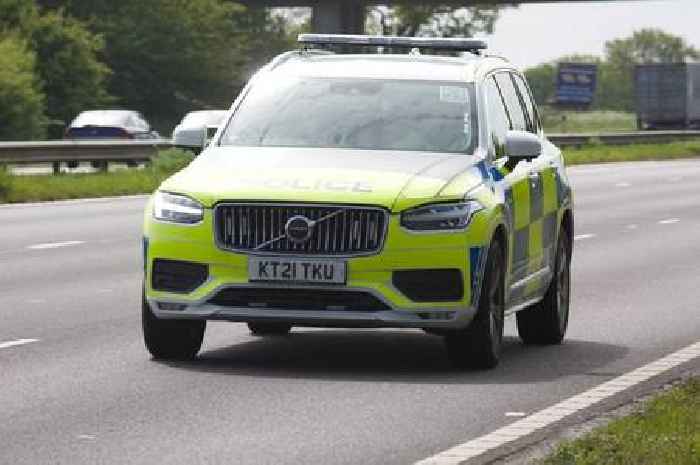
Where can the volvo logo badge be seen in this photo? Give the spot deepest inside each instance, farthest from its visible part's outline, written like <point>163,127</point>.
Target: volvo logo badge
<point>299,229</point>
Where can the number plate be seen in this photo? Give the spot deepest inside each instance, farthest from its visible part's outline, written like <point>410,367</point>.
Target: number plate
<point>296,270</point>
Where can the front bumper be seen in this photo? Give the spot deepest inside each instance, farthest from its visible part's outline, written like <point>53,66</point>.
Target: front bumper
<point>402,250</point>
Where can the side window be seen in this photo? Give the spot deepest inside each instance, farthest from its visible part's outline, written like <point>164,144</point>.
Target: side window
<point>498,122</point>
<point>518,122</point>
<point>530,108</point>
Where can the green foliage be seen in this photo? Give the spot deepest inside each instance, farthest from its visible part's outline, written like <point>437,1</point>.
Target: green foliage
<point>173,56</point>
<point>67,60</point>
<point>407,19</point>
<point>21,98</point>
<point>170,161</point>
<point>542,80</point>
<point>667,431</point>
<point>5,183</point>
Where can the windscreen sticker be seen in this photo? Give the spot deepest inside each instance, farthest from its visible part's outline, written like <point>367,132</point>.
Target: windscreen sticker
<point>454,94</point>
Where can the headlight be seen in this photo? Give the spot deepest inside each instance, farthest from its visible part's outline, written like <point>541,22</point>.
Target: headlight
<point>440,216</point>
<point>177,208</point>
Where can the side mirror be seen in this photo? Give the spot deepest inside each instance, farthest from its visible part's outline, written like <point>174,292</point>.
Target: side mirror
<point>521,145</point>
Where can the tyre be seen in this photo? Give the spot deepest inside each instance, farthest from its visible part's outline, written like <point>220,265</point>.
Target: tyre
<point>171,339</point>
<point>546,322</point>
<point>479,345</point>
<point>269,329</point>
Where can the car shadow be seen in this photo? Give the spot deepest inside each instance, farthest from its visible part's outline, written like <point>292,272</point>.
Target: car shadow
<point>395,356</point>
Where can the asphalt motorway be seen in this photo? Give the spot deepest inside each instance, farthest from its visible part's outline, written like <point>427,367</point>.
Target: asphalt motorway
<point>80,388</point>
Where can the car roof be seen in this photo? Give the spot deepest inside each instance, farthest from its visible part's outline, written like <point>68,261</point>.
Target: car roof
<point>385,66</point>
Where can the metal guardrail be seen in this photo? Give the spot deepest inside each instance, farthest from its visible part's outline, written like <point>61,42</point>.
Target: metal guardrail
<point>99,152</point>
<point>102,152</point>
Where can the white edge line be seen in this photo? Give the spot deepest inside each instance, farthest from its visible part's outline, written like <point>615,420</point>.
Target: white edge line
<point>18,342</point>
<point>521,428</point>
<point>581,237</point>
<point>670,221</point>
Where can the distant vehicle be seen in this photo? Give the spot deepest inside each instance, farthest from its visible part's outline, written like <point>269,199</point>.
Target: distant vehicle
<point>668,96</point>
<point>192,130</point>
<point>110,124</point>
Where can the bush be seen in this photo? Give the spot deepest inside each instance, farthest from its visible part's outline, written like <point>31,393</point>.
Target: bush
<point>5,183</point>
<point>21,99</point>
<point>170,161</point>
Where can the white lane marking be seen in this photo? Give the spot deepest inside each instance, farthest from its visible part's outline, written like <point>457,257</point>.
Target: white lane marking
<point>36,301</point>
<point>528,425</point>
<point>54,245</point>
<point>582,237</point>
<point>87,437</point>
<point>670,221</point>
<point>515,414</point>
<point>632,226</point>
<point>18,342</point>
<point>623,184</point>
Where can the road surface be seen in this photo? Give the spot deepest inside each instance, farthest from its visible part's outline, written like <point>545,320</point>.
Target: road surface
<point>78,387</point>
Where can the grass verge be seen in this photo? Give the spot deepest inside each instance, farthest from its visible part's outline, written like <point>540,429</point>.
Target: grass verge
<point>557,121</point>
<point>15,189</point>
<point>665,431</point>
<point>35,188</point>
<point>639,152</point>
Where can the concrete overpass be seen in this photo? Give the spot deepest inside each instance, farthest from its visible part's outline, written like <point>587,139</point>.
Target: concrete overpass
<point>348,16</point>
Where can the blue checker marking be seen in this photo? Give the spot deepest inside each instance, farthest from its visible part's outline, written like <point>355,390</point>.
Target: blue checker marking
<point>497,176</point>
<point>482,169</point>
<point>475,254</point>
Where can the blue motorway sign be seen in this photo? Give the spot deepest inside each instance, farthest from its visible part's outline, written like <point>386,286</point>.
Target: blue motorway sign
<point>576,83</point>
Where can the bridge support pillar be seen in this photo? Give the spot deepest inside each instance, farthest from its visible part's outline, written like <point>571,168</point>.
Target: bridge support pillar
<point>338,17</point>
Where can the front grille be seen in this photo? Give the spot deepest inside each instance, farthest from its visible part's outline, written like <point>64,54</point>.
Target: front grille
<point>336,230</point>
<point>298,299</point>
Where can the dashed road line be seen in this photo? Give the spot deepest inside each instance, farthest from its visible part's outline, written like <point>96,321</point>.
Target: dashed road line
<point>18,342</point>
<point>582,237</point>
<point>54,245</point>
<point>547,417</point>
<point>670,221</point>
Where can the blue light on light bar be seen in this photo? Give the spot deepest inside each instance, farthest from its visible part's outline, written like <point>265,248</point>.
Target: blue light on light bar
<point>470,45</point>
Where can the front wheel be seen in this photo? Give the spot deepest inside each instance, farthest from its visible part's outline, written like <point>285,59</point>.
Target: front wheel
<point>546,322</point>
<point>171,339</point>
<point>479,345</point>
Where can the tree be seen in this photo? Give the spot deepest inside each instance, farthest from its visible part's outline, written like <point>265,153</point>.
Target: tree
<point>649,46</point>
<point>73,77</point>
<point>440,20</point>
<point>66,59</point>
<point>541,80</point>
<point>172,56</point>
<point>21,99</point>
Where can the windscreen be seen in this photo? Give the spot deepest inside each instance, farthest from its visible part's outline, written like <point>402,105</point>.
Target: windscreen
<point>369,114</point>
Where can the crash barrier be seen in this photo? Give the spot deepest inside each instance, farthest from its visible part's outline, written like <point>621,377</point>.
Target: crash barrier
<point>132,152</point>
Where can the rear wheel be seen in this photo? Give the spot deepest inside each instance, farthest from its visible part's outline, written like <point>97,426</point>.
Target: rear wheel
<point>269,329</point>
<point>546,322</point>
<point>171,339</point>
<point>479,345</point>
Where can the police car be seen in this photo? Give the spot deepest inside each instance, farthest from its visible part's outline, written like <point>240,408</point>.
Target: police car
<point>383,190</point>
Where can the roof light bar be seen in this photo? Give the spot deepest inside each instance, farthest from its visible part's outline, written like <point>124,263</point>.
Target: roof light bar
<point>464,45</point>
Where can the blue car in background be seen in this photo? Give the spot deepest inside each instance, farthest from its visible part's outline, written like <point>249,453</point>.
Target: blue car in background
<point>110,124</point>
